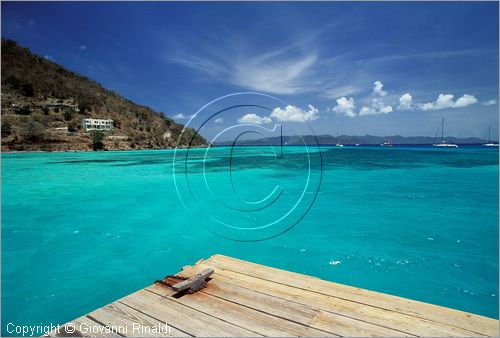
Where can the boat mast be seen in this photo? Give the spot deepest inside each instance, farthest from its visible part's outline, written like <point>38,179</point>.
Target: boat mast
<point>442,129</point>
<point>487,136</point>
<point>281,141</point>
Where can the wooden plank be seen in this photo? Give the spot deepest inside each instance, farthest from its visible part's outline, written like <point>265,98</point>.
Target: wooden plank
<point>135,323</point>
<point>262,302</point>
<point>191,321</point>
<point>406,325</point>
<point>333,323</point>
<point>291,311</point>
<point>349,327</point>
<point>451,317</point>
<point>386,318</point>
<point>241,315</point>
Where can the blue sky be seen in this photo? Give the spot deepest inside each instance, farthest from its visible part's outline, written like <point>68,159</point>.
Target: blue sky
<point>361,68</point>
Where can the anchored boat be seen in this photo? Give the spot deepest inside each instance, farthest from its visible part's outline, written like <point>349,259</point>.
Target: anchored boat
<point>443,143</point>
<point>338,144</point>
<point>489,143</point>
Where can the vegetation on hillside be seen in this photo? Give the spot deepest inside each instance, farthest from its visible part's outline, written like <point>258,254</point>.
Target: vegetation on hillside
<point>43,105</point>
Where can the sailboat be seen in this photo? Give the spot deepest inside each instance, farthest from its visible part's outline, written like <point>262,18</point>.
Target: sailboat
<point>489,143</point>
<point>338,144</point>
<point>443,143</point>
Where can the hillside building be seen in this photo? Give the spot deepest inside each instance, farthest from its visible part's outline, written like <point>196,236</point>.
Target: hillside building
<point>97,124</point>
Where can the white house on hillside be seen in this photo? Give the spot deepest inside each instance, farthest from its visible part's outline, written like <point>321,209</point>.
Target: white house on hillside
<point>97,124</point>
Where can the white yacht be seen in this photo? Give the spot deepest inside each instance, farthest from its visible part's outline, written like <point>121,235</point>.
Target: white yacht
<point>443,143</point>
<point>489,143</point>
<point>338,144</point>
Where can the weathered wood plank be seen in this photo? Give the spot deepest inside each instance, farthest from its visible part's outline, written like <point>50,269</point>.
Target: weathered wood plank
<point>241,315</point>
<point>333,323</point>
<point>191,321</point>
<point>390,319</point>
<point>435,313</point>
<point>292,311</point>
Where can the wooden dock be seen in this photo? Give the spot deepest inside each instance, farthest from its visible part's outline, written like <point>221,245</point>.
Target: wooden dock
<point>247,299</point>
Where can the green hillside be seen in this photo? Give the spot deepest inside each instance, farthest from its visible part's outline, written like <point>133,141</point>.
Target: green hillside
<point>43,105</point>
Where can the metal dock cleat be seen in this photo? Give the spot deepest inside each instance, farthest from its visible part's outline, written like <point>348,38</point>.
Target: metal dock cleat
<point>188,285</point>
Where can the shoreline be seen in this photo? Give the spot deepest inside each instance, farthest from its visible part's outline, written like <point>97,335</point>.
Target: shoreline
<point>241,145</point>
<point>90,151</point>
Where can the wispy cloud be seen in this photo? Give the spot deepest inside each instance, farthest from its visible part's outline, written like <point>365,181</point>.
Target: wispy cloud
<point>341,91</point>
<point>278,77</point>
<point>289,67</point>
<point>489,103</point>
<point>273,74</point>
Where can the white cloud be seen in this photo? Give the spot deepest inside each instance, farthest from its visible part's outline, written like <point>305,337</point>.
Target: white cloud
<point>83,47</point>
<point>254,118</point>
<point>405,102</point>
<point>295,114</point>
<point>385,110</point>
<point>446,101</point>
<point>49,57</point>
<point>377,89</point>
<point>367,111</point>
<point>364,111</point>
<point>345,107</point>
<point>489,103</point>
<point>219,120</point>
<point>464,101</point>
<point>181,116</point>
<point>378,105</point>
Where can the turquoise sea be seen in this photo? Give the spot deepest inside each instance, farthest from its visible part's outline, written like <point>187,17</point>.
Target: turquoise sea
<point>80,230</point>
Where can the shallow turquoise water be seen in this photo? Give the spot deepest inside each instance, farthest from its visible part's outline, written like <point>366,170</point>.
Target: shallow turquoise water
<point>80,230</point>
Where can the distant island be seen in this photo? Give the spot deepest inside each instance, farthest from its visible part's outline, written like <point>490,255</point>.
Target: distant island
<point>349,140</point>
<point>46,107</point>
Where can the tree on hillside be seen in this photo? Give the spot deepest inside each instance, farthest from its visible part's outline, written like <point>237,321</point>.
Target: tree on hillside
<point>6,128</point>
<point>68,115</point>
<point>72,126</point>
<point>23,111</point>
<point>32,131</point>
<point>97,137</point>
<point>28,90</point>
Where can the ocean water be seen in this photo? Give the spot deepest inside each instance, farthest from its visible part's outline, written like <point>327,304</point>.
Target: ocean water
<point>80,230</point>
